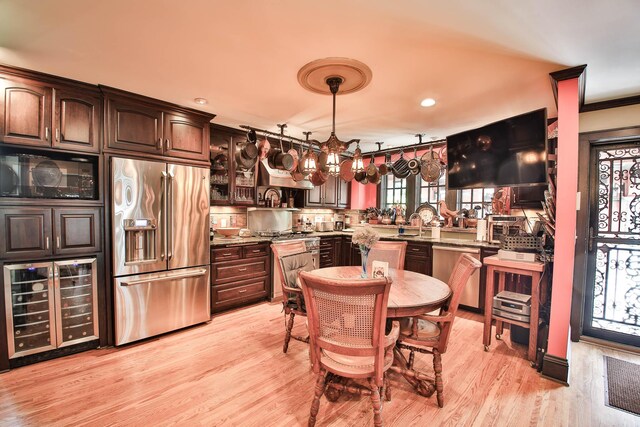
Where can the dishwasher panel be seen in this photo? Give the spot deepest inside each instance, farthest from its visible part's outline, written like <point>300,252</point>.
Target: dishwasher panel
<point>444,259</point>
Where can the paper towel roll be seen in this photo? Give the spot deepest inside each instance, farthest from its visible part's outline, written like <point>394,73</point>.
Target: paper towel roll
<point>435,233</point>
<point>481,230</point>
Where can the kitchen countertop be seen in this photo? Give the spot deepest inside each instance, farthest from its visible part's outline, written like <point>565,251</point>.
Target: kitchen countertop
<point>407,237</point>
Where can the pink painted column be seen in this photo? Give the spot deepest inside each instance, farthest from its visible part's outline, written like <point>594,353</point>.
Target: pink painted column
<point>565,237</point>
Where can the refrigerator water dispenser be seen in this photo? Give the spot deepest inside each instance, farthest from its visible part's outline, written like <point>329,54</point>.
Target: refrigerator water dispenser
<point>140,240</point>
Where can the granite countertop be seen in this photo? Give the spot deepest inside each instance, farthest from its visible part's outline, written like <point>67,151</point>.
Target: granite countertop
<point>445,241</point>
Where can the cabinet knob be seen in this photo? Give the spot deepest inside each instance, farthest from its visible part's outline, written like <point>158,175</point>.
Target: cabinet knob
<point>57,134</point>
<point>46,242</point>
<point>159,143</point>
<point>46,133</point>
<point>167,143</point>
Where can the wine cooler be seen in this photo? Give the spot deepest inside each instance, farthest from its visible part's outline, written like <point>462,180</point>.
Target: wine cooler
<point>50,305</point>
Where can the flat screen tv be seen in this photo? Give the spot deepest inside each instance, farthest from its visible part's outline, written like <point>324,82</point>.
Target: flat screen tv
<point>509,153</point>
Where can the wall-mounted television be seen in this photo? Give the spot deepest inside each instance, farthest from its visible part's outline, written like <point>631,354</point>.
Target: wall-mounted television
<point>510,153</point>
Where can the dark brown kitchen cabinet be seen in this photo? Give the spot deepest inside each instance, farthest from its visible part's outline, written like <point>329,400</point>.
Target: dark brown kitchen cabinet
<point>77,231</point>
<point>331,191</point>
<point>134,127</point>
<point>240,275</point>
<point>418,258</point>
<point>25,116</point>
<point>77,117</point>
<point>26,232</point>
<point>330,251</point>
<point>54,114</point>
<point>335,193</point>
<point>137,123</point>
<point>314,197</point>
<point>344,194</point>
<point>185,137</point>
<point>41,232</point>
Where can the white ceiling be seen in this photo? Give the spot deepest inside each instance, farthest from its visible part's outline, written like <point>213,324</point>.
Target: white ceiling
<point>481,60</point>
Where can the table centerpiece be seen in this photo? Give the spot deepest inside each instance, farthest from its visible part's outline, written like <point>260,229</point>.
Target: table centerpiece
<point>365,238</point>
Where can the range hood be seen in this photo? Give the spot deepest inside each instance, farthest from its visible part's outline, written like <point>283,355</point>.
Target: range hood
<point>268,176</point>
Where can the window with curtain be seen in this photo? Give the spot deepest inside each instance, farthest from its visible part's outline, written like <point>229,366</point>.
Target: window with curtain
<point>471,197</point>
<point>394,191</point>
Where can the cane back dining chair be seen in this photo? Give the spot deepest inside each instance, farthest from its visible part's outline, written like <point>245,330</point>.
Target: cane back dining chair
<point>430,333</point>
<point>346,319</point>
<point>392,252</point>
<point>292,299</point>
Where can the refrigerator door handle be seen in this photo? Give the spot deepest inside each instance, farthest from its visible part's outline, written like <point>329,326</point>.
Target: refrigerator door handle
<point>195,273</point>
<point>170,217</point>
<point>163,229</point>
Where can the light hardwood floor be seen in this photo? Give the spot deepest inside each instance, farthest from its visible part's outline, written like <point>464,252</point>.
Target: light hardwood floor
<point>232,372</point>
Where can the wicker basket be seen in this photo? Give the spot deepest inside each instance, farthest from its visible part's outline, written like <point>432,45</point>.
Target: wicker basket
<point>521,243</point>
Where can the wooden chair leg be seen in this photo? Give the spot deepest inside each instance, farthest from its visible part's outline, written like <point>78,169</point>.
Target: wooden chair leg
<point>437,367</point>
<point>319,391</point>
<point>376,403</point>
<point>287,334</point>
<point>411,356</point>
<point>387,388</point>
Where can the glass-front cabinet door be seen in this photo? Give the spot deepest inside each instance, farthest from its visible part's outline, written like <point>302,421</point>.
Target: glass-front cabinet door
<point>29,298</point>
<point>76,301</point>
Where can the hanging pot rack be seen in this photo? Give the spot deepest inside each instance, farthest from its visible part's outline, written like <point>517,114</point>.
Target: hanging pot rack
<point>314,144</point>
<point>417,146</point>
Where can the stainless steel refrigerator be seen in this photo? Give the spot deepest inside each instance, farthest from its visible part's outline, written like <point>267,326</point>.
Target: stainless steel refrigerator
<point>160,223</point>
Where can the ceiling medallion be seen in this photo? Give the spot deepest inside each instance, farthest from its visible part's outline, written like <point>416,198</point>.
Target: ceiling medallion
<point>355,75</point>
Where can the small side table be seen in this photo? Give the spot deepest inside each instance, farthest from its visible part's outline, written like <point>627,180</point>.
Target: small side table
<point>501,266</point>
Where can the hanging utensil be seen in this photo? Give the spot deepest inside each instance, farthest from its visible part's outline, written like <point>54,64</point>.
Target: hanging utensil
<point>400,168</point>
<point>431,169</point>
<point>264,147</point>
<point>281,159</point>
<point>346,171</point>
<point>318,178</point>
<point>296,174</point>
<point>373,175</point>
<point>322,160</point>
<point>385,166</point>
<point>252,138</point>
<point>415,163</point>
<point>294,153</point>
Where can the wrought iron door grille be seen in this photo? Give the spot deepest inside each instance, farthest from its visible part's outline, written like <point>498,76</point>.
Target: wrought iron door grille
<point>616,292</point>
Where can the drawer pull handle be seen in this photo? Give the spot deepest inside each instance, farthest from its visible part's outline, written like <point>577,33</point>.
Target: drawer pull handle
<point>226,254</point>
<point>242,291</point>
<point>415,249</point>
<point>256,250</point>
<point>242,269</point>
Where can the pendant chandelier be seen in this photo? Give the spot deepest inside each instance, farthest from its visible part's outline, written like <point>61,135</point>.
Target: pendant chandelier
<point>333,145</point>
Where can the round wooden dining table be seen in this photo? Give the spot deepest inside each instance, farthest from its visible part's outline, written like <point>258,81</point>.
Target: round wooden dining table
<point>411,293</point>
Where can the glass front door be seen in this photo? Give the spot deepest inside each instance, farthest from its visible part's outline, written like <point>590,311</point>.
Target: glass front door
<point>77,300</point>
<point>29,297</point>
<point>612,303</point>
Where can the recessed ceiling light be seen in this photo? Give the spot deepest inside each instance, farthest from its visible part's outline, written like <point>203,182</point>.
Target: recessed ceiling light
<point>428,102</point>
<point>200,101</point>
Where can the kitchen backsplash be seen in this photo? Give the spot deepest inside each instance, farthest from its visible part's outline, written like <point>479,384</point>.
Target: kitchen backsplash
<point>227,216</point>
<point>237,216</point>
